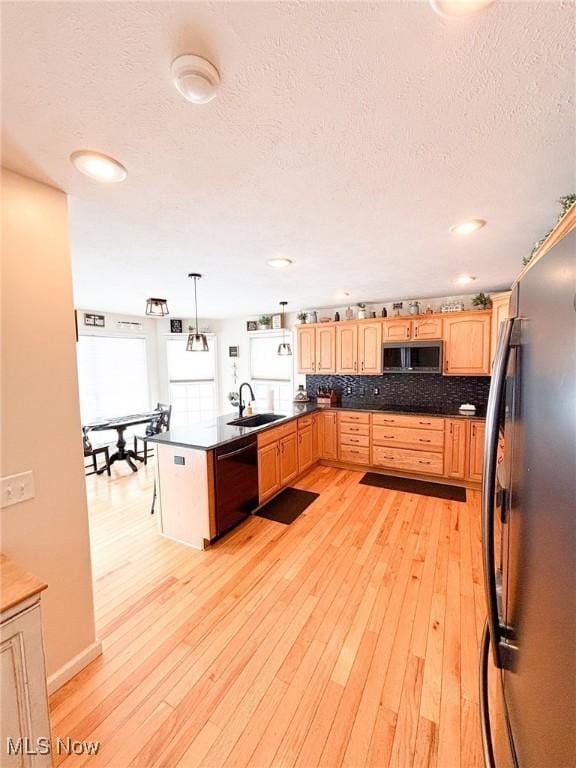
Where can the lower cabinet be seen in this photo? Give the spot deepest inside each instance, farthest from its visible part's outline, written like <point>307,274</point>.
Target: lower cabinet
<point>268,471</point>
<point>329,436</point>
<point>476,451</point>
<point>316,436</point>
<point>288,458</point>
<point>305,448</point>
<point>455,449</point>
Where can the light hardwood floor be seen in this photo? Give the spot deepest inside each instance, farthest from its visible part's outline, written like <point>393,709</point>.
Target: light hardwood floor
<point>347,638</point>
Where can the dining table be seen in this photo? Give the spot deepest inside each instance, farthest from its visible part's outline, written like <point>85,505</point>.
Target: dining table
<point>121,424</point>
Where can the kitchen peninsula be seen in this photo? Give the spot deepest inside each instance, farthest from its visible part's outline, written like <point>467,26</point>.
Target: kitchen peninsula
<point>212,475</point>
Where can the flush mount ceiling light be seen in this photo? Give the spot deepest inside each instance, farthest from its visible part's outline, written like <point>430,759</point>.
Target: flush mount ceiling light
<point>453,9</point>
<point>465,279</point>
<point>279,263</point>
<point>157,307</point>
<point>197,342</point>
<point>98,167</point>
<point>284,348</point>
<point>196,78</point>
<point>467,227</point>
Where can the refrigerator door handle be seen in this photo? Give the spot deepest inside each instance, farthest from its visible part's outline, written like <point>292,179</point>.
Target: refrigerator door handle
<point>487,747</point>
<point>489,483</point>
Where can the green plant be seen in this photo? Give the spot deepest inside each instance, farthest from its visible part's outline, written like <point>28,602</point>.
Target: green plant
<point>482,300</point>
<point>302,316</point>
<point>566,202</point>
<point>265,320</point>
<point>233,397</point>
<point>361,305</point>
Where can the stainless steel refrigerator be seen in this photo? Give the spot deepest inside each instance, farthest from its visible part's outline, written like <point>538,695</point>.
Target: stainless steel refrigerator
<point>529,525</point>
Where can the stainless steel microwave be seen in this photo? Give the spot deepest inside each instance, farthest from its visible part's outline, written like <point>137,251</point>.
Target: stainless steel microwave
<point>412,357</point>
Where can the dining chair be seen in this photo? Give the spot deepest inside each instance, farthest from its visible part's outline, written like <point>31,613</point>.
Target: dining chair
<point>155,427</point>
<point>90,451</point>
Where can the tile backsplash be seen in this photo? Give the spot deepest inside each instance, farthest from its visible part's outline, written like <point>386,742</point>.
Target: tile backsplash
<point>428,390</point>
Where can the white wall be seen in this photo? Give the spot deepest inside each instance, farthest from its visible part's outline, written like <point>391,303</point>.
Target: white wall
<point>48,534</point>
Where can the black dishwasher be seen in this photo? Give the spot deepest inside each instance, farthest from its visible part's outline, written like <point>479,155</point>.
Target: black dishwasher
<point>236,475</point>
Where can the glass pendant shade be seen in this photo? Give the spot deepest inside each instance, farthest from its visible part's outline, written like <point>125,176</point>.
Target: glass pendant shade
<point>284,349</point>
<point>197,342</point>
<point>157,307</point>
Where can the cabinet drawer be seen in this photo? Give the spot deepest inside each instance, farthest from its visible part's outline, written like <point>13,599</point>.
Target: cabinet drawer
<point>277,433</point>
<point>354,417</point>
<point>354,455</point>
<point>304,421</point>
<point>350,428</point>
<point>399,420</point>
<point>355,439</point>
<point>407,437</point>
<point>408,461</point>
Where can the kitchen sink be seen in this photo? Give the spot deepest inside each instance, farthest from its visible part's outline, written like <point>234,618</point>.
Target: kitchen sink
<point>256,421</point>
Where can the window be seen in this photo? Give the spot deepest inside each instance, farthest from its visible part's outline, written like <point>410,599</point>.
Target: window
<point>271,373</point>
<point>192,378</point>
<point>112,377</point>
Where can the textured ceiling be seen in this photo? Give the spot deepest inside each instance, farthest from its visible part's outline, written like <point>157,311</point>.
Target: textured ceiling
<point>346,136</point>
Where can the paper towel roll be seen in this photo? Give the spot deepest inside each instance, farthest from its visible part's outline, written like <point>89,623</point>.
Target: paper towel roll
<point>269,399</point>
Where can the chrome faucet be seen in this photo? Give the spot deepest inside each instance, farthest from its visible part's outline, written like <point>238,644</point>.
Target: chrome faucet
<point>241,406</point>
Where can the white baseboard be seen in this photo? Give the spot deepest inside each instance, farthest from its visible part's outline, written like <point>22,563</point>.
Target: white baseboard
<point>74,666</point>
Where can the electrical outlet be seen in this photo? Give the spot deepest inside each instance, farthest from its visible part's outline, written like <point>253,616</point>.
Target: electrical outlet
<point>17,488</point>
<point>376,390</point>
<point>348,390</point>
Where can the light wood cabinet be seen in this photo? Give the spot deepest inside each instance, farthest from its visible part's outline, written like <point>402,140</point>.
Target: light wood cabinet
<point>288,458</point>
<point>347,348</point>
<point>370,348</point>
<point>467,344</point>
<point>22,669</point>
<point>306,344</point>
<point>269,481</point>
<point>476,451</point>
<point>328,436</point>
<point>455,449</point>
<point>305,448</point>
<point>500,311</point>
<point>427,328</point>
<point>325,349</point>
<point>316,437</point>
<point>396,329</point>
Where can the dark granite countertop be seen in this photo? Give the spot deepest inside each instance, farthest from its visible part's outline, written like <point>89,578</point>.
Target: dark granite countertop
<point>208,435</point>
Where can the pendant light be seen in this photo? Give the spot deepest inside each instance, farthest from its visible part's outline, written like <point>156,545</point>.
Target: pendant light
<point>157,307</point>
<point>197,342</point>
<point>284,349</point>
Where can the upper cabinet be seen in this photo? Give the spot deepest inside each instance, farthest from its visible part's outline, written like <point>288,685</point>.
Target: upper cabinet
<point>500,307</point>
<point>397,329</point>
<point>347,348</point>
<point>427,328</point>
<point>325,349</point>
<point>306,343</point>
<point>370,347</point>
<point>467,344</point>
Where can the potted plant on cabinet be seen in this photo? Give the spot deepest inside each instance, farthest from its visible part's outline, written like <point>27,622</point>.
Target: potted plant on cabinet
<point>265,322</point>
<point>482,301</point>
<point>302,316</point>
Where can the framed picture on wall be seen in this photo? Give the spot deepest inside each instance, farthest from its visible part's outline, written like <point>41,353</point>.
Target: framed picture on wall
<point>97,321</point>
<point>276,322</point>
<point>251,325</point>
<point>233,352</point>
<point>175,326</point>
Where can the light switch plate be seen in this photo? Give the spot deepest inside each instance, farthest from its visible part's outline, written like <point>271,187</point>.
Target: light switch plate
<point>17,488</point>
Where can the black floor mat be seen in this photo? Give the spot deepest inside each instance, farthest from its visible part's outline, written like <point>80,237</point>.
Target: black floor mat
<point>287,506</point>
<point>422,487</point>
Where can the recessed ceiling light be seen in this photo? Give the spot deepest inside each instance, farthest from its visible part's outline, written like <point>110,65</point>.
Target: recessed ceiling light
<point>98,167</point>
<point>465,279</point>
<point>279,263</point>
<point>467,227</point>
<point>196,78</point>
<point>459,8</point>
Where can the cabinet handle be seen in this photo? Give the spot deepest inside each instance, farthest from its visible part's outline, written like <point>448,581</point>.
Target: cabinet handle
<point>423,440</point>
<point>353,429</point>
<point>427,423</point>
<point>451,426</point>
<point>408,332</point>
<point>389,421</point>
<point>474,429</point>
<point>423,462</point>
<point>352,450</point>
<point>390,458</point>
<point>389,437</point>
<point>353,440</point>
<point>416,330</point>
